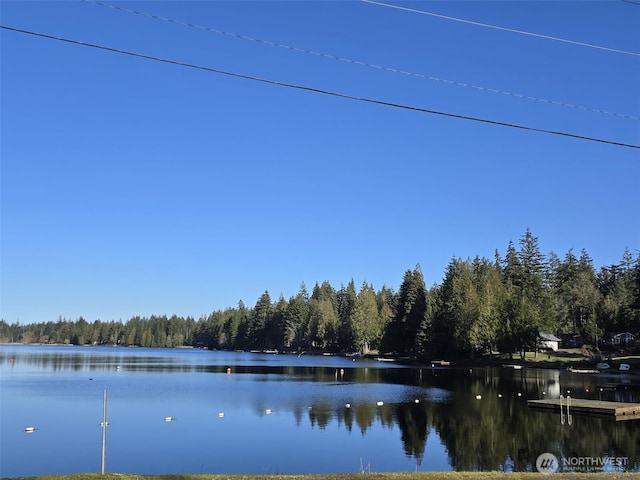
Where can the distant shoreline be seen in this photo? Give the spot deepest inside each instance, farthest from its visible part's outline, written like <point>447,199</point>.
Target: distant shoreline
<point>560,360</point>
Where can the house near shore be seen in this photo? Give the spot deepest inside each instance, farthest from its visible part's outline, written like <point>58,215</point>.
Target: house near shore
<point>622,339</point>
<point>547,341</point>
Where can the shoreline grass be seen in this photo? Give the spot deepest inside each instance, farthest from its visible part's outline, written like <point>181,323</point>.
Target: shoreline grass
<point>563,359</point>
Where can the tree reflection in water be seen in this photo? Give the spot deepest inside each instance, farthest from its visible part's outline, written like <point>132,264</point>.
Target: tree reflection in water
<point>496,432</point>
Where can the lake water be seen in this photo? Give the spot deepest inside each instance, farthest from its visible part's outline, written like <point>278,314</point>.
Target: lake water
<point>289,414</point>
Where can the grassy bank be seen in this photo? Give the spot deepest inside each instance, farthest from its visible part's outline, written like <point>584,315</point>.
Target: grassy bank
<point>356,476</point>
<point>564,359</point>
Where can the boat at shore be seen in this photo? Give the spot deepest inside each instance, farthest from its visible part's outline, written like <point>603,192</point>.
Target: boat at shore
<point>441,363</point>
<point>582,370</point>
<point>512,366</point>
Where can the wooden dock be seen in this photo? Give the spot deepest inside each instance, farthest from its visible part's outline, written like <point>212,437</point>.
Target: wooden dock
<point>582,406</point>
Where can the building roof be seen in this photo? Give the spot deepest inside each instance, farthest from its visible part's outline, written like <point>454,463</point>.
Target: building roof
<point>618,334</point>
<point>549,337</point>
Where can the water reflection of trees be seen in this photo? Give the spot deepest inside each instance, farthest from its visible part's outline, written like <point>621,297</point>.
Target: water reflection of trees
<point>500,432</point>
<point>411,418</point>
<point>414,425</point>
<point>78,361</point>
<point>497,431</point>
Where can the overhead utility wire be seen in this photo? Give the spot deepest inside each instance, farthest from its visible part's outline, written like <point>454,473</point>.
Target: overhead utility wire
<point>512,30</point>
<point>318,90</point>
<point>360,63</point>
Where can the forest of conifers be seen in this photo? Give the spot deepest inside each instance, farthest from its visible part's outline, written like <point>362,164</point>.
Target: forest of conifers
<point>482,305</point>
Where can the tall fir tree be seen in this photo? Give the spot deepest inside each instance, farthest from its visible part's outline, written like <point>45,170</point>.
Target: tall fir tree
<point>367,327</point>
<point>295,318</point>
<point>404,333</point>
<point>346,298</point>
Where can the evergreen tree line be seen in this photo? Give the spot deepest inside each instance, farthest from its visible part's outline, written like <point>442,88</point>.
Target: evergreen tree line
<point>481,306</point>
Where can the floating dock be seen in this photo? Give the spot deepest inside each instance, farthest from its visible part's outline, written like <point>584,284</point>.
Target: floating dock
<point>582,406</point>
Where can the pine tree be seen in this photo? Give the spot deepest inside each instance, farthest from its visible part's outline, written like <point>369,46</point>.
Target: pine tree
<point>295,318</point>
<point>261,315</point>
<point>346,299</point>
<point>528,304</point>
<point>411,321</point>
<point>366,319</point>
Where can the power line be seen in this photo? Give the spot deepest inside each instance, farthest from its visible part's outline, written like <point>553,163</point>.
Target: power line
<point>512,30</point>
<point>361,63</point>
<point>318,90</point>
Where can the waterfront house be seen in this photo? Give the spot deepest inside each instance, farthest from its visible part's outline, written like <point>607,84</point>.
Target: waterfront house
<point>621,339</point>
<point>548,341</point>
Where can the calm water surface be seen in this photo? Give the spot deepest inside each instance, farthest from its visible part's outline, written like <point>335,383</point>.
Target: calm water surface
<point>287,414</point>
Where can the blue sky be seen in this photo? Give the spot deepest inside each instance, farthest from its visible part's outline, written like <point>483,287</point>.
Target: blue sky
<point>134,187</point>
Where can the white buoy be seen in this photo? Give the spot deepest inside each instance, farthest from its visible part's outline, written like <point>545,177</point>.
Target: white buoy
<point>221,415</point>
<point>478,397</point>
<point>348,405</point>
<point>268,411</point>
<point>29,429</point>
<point>169,419</point>
<point>380,404</point>
<point>416,401</point>
<point>499,395</point>
<point>519,394</point>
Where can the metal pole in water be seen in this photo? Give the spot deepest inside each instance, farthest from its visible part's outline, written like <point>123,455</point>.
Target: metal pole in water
<point>104,430</point>
<point>561,411</point>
